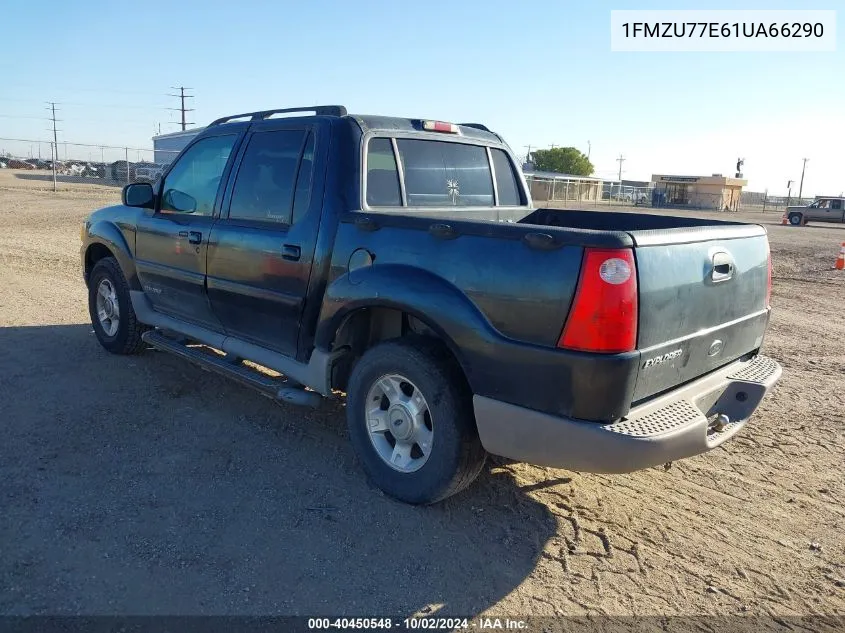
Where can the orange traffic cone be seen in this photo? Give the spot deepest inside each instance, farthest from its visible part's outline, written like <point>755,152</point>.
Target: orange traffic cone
<point>840,261</point>
<point>783,220</point>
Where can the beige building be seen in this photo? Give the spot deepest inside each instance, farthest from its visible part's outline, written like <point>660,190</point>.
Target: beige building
<point>699,192</point>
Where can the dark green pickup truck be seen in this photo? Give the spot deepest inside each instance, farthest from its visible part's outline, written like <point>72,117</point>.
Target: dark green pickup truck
<point>401,261</point>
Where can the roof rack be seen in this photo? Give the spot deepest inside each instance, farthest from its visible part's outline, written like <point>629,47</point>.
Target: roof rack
<point>477,126</point>
<point>325,110</point>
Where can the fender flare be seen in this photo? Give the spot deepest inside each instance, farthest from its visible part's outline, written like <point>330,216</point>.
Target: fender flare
<point>432,299</point>
<point>109,235</point>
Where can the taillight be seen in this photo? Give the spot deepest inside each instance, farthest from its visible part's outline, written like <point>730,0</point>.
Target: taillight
<point>603,317</point>
<point>769,280</point>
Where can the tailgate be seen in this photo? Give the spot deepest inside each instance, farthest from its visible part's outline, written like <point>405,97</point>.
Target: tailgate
<point>702,301</point>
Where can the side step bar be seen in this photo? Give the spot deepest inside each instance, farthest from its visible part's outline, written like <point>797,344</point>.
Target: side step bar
<point>316,374</point>
<point>231,367</point>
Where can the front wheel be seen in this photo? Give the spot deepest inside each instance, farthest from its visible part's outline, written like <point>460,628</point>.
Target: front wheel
<point>410,419</point>
<point>114,321</point>
<point>795,219</point>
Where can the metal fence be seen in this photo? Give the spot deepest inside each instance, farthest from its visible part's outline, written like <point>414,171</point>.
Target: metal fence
<point>563,188</point>
<point>594,193</point>
<point>30,162</point>
<point>762,201</point>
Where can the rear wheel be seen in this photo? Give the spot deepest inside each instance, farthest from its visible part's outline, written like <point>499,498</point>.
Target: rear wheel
<point>410,419</point>
<point>114,321</point>
<point>795,219</point>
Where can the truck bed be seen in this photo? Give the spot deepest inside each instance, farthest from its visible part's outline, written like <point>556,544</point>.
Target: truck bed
<point>644,228</point>
<point>682,310</point>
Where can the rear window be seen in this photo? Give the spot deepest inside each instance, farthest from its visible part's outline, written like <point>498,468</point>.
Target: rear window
<point>441,174</point>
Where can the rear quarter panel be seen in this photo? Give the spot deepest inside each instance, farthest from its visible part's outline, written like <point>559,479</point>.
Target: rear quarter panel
<point>499,304</point>
<point>522,292</point>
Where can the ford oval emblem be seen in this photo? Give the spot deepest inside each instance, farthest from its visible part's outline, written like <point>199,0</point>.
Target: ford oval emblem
<point>715,347</point>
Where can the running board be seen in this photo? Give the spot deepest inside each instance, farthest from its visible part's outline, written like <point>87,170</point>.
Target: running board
<point>316,374</point>
<point>231,367</point>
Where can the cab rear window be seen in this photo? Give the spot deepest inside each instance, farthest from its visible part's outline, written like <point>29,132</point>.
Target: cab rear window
<point>438,174</point>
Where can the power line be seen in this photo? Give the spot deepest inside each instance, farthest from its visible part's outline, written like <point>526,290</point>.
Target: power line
<point>116,106</point>
<point>182,96</point>
<point>78,89</point>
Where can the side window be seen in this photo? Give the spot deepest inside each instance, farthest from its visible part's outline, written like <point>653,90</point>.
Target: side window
<point>266,177</point>
<point>444,174</point>
<point>191,186</point>
<point>836,204</point>
<point>824,204</point>
<point>505,180</point>
<point>382,175</point>
<point>302,197</point>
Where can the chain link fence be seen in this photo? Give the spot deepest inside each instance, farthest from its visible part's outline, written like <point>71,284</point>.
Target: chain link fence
<point>596,193</point>
<point>757,201</point>
<point>40,164</point>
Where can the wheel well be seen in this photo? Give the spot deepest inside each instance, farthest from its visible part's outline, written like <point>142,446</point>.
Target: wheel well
<point>95,253</point>
<point>367,327</point>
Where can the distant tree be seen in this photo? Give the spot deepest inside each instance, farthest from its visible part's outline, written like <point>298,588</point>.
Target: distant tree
<point>565,160</point>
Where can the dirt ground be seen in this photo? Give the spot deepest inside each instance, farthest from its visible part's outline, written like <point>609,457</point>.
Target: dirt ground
<point>142,485</point>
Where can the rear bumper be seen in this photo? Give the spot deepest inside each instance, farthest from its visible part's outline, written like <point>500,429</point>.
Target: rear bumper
<point>671,427</point>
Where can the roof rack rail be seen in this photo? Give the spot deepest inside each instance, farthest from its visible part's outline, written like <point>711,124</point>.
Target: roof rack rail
<point>477,126</point>
<point>325,110</point>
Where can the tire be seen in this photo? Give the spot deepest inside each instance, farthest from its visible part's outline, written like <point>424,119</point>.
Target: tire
<point>122,333</point>
<point>795,219</point>
<point>454,457</point>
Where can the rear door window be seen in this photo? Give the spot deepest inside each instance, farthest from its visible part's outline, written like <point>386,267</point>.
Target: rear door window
<point>382,175</point>
<point>266,178</point>
<point>505,180</point>
<point>302,197</point>
<point>444,174</point>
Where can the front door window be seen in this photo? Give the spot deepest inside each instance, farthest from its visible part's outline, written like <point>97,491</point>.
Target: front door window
<point>191,186</point>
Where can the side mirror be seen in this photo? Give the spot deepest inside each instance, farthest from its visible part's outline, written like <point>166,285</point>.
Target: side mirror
<point>139,194</point>
<point>179,201</point>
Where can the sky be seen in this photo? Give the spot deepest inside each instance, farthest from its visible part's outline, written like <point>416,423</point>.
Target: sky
<point>539,75</point>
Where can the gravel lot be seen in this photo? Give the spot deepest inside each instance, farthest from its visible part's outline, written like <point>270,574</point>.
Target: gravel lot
<point>142,485</point>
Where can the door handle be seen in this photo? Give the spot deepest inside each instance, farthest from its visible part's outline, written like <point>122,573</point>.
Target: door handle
<point>723,267</point>
<point>195,237</point>
<point>291,252</point>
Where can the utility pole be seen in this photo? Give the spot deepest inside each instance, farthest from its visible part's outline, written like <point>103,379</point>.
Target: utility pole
<point>55,153</point>
<point>182,96</point>
<point>619,160</point>
<point>528,153</point>
<point>589,149</point>
<point>788,192</point>
<point>801,186</point>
